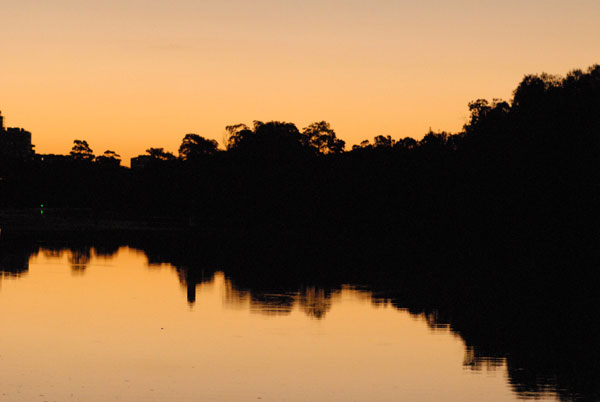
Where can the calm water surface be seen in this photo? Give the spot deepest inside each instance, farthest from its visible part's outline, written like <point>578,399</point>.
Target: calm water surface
<point>117,328</point>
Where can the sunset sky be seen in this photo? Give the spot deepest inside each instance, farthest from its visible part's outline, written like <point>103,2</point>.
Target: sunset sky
<point>130,74</point>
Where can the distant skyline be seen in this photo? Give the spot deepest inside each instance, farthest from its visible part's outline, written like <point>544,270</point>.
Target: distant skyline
<point>133,74</point>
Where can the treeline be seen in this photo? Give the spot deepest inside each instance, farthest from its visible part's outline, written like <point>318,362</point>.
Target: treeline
<point>521,172</point>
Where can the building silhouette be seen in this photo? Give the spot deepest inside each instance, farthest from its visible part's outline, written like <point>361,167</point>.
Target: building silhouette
<point>15,143</point>
<point>141,162</point>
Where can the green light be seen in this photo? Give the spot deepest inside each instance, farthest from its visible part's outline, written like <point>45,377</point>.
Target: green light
<point>42,205</point>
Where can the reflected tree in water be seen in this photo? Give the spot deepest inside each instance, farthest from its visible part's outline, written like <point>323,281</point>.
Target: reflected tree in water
<point>79,259</point>
<point>315,302</point>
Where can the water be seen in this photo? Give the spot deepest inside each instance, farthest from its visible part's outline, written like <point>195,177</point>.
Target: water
<point>96,326</point>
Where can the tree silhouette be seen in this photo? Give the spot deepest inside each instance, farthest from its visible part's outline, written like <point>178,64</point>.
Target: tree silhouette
<point>364,144</point>
<point>406,143</point>
<point>160,154</point>
<point>322,138</point>
<point>434,141</point>
<point>533,88</point>
<point>274,138</point>
<point>485,116</point>
<point>109,158</point>
<point>384,142</point>
<point>194,146</point>
<point>237,134</point>
<point>81,151</point>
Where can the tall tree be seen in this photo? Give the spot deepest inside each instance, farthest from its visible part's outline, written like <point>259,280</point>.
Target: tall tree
<point>194,146</point>
<point>321,137</point>
<point>81,151</point>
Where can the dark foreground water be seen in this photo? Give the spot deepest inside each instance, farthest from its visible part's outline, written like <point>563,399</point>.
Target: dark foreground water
<point>97,326</point>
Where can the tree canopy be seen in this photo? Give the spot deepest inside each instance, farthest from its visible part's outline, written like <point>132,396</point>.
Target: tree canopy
<point>194,146</point>
<point>160,154</point>
<point>81,151</point>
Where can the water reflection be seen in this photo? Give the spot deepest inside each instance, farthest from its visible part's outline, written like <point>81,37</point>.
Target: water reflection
<point>544,333</point>
<point>79,258</point>
<point>545,337</point>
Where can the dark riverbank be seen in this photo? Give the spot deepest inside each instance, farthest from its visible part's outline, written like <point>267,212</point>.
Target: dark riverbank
<point>520,175</point>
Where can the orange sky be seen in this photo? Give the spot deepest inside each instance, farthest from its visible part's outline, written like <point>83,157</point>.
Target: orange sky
<point>130,74</point>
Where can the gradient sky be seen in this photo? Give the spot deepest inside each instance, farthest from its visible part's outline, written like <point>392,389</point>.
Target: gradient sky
<point>130,74</point>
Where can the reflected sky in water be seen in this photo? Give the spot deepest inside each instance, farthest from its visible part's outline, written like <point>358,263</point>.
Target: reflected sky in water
<point>85,326</point>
